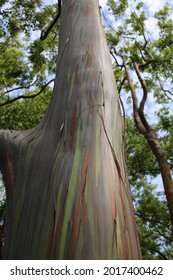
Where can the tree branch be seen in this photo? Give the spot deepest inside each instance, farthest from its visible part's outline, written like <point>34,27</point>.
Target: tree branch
<point>46,32</point>
<point>114,57</point>
<point>143,28</point>
<point>137,117</point>
<point>150,135</point>
<point>144,87</point>
<point>26,96</point>
<point>18,88</point>
<point>121,84</point>
<point>163,235</point>
<point>148,171</point>
<point>140,49</point>
<point>166,91</point>
<point>161,254</point>
<point>150,220</point>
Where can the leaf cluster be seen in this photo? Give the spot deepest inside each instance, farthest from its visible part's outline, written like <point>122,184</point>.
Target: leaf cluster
<point>29,62</point>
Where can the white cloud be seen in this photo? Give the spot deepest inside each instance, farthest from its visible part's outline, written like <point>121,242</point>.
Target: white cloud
<point>154,6</point>
<point>102,3</point>
<point>151,26</point>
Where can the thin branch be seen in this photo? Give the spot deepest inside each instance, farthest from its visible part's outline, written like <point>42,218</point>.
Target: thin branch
<point>45,33</point>
<point>166,91</point>
<point>140,49</point>
<point>146,50</point>
<point>148,171</point>
<point>146,63</point>
<point>114,57</point>
<point>163,235</point>
<point>121,84</point>
<point>18,88</point>
<point>150,220</point>
<point>128,37</point>
<point>26,96</point>
<point>161,254</point>
<point>143,28</point>
<point>144,87</point>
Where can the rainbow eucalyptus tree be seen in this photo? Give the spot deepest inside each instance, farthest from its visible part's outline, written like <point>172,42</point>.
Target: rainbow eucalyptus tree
<point>68,195</point>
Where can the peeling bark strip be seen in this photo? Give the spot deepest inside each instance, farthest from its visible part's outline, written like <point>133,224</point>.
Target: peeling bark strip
<point>71,196</point>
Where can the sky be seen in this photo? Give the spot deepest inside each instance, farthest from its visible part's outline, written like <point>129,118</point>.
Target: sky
<point>151,7</point>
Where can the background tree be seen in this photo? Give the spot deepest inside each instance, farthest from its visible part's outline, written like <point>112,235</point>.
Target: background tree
<point>136,52</point>
<point>151,209</point>
<point>66,180</point>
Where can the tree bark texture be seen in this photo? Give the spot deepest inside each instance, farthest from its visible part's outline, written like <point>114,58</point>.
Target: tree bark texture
<point>68,195</point>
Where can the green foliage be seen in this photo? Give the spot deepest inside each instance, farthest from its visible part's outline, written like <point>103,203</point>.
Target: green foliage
<point>118,7</point>
<point>24,114</point>
<point>154,225</point>
<point>150,205</point>
<point>28,60</point>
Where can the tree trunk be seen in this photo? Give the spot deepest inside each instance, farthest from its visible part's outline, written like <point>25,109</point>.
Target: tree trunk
<point>148,132</point>
<point>68,195</point>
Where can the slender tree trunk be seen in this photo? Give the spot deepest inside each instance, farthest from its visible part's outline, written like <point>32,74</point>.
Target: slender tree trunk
<point>68,195</point>
<point>150,135</point>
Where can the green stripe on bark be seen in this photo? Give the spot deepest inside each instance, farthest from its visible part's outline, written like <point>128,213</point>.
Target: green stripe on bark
<point>71,194</point>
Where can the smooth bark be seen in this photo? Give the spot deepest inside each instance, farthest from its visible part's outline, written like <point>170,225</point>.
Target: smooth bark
<point>68,195</point>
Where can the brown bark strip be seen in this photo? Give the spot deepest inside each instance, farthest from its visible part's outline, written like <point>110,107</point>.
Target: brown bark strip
<point>9,171</point>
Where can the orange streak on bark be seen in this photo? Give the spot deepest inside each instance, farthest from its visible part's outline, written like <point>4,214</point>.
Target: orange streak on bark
<point>73,126</point>
<point>78,204</point>
<point>90,54</point>
<point>9,171</point>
